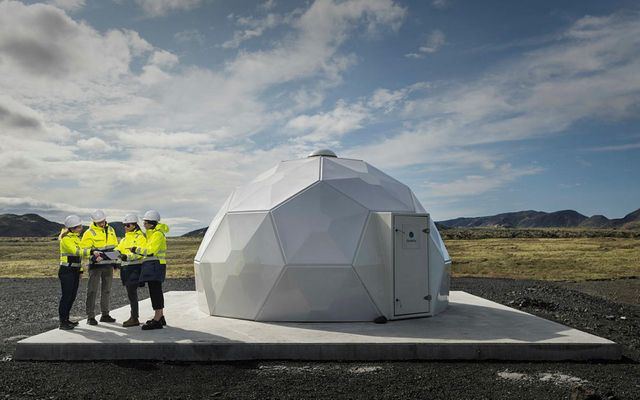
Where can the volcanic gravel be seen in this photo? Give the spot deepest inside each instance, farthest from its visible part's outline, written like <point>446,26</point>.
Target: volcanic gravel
<point>29,306</point>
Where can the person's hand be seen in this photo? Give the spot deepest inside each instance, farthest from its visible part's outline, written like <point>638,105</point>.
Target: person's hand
<point>99,258</point>
<point>96,253</point>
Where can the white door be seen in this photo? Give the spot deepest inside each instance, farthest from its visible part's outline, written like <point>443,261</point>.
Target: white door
<point>411,269</point>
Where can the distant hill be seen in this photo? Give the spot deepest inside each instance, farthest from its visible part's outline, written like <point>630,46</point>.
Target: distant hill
<point>540,219</point>
<point>33,225</point>
<point>13,225</point>
<point>197,233</point>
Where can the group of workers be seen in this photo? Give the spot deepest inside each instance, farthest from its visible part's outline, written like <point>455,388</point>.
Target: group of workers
<point>140,257</point>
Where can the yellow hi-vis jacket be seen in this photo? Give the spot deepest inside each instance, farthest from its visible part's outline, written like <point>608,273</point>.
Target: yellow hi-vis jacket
<point>156,247</point>
<point>132,239</point>
<point>71,252</point>
<point>101,239</point>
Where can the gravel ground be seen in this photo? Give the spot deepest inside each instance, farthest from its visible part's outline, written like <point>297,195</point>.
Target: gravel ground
<point>29,306</point>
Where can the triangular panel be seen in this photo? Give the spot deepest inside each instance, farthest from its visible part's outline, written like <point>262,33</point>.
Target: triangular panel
<point>276,185</point>
<point>318,293</point>
<point>319,226</point>
<point>245,263</point>
<point>367,185</point>
<point>418,206</point>
<point>213,226</point>
<point>371,264</point>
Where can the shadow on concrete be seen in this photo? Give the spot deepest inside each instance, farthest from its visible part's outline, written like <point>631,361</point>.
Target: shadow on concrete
<point>460,322</point>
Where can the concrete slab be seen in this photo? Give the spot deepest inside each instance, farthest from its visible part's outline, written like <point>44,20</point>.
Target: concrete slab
<point>472,328</point>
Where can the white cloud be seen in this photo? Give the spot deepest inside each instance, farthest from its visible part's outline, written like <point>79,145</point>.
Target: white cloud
<point>189,35</point>
<point>68,5</point>
<point>434,41</point>
<point>473,185</point>
<point>621,147</point>
<point>158,8</point>
<point>440,4</point>
<point>326,127</point>
<point>94,145</point>
<point>256,27</point>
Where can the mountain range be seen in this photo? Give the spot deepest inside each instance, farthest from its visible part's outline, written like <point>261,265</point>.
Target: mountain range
<point>540,219</point>
<point>33,225</point>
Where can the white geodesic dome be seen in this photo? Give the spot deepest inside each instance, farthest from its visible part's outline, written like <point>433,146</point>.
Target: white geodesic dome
<point>313,240</point>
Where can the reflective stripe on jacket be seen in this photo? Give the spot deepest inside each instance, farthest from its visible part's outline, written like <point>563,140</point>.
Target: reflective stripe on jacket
<point>101,239</point>
<point>156,246</point>
<point>71,251</point>
<point>132,239</point>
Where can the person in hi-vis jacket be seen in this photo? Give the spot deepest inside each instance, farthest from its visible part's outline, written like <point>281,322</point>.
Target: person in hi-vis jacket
<point>71,255</point>
<point>154,266</point>
<point>100,237</point>
<point>131,264</point>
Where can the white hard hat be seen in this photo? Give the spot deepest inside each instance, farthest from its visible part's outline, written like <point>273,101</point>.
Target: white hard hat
<point>130,219</point>
<point>98,215</point>
<point>151,215</point>
<point>72,221</point>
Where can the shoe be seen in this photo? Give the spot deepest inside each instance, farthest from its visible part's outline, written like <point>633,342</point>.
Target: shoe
<point>92,321</point>
<point>131,322</point>
<point>66,326</point>
<point>162,321</point>
<point>152,325</point>
<point>107,318</point>
<point>74,323</point>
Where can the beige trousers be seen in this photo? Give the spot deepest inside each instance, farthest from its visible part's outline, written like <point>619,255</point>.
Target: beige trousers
<point>102,276</point>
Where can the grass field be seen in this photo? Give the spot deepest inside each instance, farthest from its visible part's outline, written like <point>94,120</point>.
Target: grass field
<point>521,258</point>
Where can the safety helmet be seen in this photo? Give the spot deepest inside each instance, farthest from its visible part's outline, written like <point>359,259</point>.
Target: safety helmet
<point>98,215</point>
<point>151,215</point>
<point>72,221</point>
<point>130,219</point>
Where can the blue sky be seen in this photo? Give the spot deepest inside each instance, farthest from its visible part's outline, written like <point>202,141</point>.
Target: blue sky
<point>480,107</point>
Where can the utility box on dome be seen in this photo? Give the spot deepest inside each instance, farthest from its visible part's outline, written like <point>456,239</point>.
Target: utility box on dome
<point>322,239</point>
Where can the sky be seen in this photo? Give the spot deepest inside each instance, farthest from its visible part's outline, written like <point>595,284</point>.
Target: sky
<point>479,107</point>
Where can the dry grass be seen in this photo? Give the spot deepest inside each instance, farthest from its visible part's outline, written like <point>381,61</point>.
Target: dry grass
<point>548,259</point>
<point>520,258</point>
<point>38,257</point>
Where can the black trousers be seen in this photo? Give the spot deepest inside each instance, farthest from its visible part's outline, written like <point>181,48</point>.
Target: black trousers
<point>132,293</point>
<point>155,292</point>
<point>69,281</point>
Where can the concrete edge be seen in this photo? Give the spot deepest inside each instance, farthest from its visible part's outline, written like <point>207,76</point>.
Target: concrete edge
<point>316,352</point>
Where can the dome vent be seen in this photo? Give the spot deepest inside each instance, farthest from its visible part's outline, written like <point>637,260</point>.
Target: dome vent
<point>323,153</point>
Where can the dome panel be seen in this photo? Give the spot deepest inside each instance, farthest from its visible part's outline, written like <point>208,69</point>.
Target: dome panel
<point>437,240</point>
<point>367,185</point>
<point>213,226</point>
<point>276,185</point>
<point>243,262</point>
<point>319,226</point>
<point>370,263</point>
<point>416,203</point>
<point>318,293</point>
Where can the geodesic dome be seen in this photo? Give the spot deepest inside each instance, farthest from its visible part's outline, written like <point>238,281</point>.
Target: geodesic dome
<point>313,240</point>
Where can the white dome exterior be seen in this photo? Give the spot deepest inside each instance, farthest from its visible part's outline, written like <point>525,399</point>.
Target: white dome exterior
<point>312,240</point>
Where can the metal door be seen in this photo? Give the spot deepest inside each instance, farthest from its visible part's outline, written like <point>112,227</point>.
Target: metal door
<point>411,269</point>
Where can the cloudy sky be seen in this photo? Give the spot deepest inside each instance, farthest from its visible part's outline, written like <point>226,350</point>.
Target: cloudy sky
<point>480,107</point>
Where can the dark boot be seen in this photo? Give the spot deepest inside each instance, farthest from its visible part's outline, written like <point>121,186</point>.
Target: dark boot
<point>106,318</point>
<point>153,324</point>
<point>66,325</point>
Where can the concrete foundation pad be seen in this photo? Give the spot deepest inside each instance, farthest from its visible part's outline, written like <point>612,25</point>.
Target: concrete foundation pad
<point>472,328</point>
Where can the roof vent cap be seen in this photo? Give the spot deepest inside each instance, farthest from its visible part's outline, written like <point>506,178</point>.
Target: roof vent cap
<point>322,153</point>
